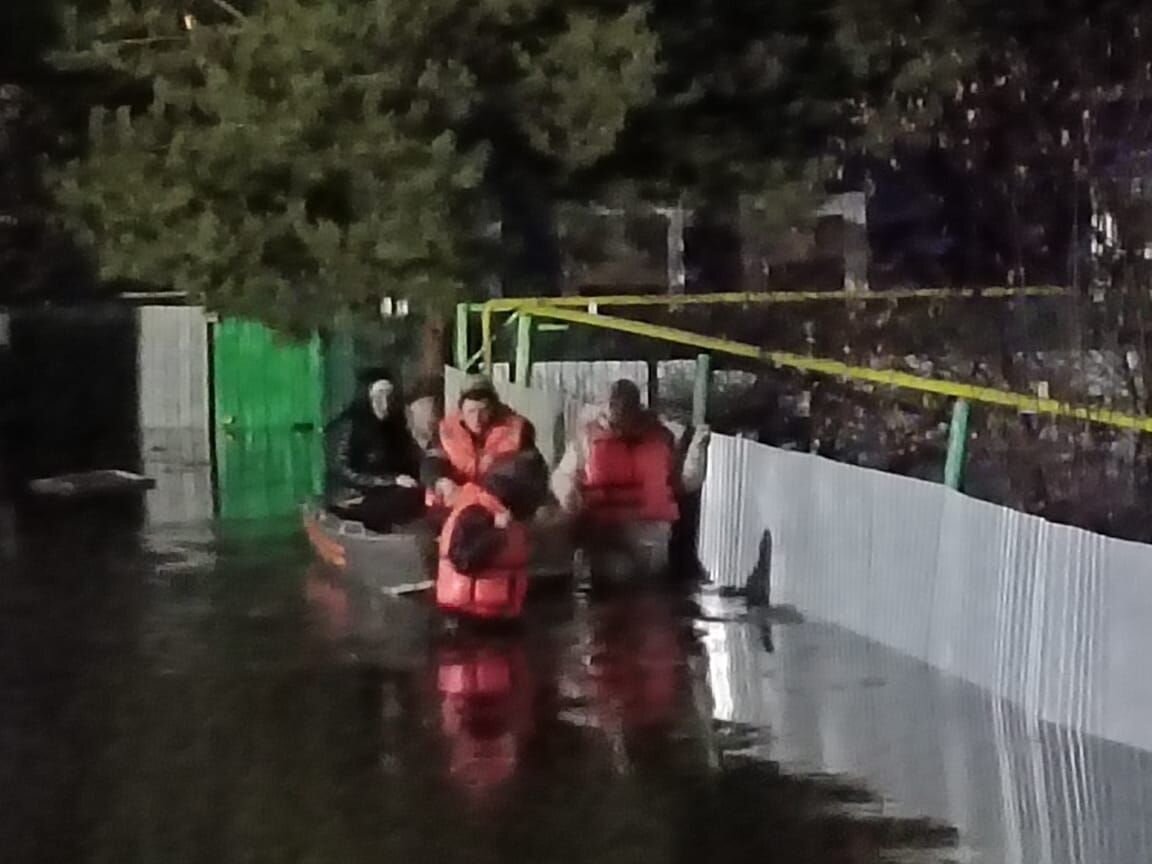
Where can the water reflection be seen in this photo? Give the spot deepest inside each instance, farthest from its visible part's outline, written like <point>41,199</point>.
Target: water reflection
<point>485,691</point>
<point>179,695</point>
<point>587,736</point>
<point>1016,789</point>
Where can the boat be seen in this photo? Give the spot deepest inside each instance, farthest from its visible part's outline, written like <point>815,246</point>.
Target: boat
<point>87,484</point>
<point>403,561</point>
<point>400,562</point>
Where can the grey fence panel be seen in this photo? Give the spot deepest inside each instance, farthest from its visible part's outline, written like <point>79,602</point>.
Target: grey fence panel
<point>588,380</point>
<point>847,549</point>
<point>967,589</point>
<point>724,539</point>
<point>1050,617</point>
<point>1125,633</point>
<point>173,367</point>
<point>180,462</point>
<point>1070,665</point>
<point>902,564</point>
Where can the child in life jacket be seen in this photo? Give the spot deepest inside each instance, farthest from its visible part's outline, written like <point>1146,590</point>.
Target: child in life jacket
<point>484,548</point>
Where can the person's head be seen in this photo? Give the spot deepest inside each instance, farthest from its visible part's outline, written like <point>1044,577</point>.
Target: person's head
<point>425,408</point>
<point>517,480</point>
<point>379,388</point>
<point>479,404</point>
<point>625,408</point>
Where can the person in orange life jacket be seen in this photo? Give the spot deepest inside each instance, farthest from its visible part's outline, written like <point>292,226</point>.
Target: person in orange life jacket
<point>484,547</point>
<point>469,439</point>
<point>621,477</point>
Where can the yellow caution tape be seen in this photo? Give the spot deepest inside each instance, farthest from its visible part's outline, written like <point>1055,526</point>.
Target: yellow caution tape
<point>888,378</point>
<point>742,297</point>
<point>592,304</point>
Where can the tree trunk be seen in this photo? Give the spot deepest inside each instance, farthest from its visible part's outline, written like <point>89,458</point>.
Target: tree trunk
<point>432,354</point>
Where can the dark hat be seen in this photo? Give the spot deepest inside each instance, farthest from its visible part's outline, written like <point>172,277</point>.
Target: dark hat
<point>479,387</point>
<point>428,387</point>
<point>626,394</point>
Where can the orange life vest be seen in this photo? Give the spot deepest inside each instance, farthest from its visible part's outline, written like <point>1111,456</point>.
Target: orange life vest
<point>629,481</point>
<point>504,438</point>
<point>497,592</point>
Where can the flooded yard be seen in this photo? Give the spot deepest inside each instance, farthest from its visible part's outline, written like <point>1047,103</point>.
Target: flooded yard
<point>192,693</point>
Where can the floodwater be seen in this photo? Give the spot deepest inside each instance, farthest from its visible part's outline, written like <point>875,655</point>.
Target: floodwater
<point>196,693</point>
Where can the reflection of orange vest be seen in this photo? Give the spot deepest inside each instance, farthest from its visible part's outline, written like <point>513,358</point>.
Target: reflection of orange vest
<point>498,591</point>
<point>640,666</point>
<point>329,600</point>
<point>485,711</point>
<point>470,462</point>
<point>629,481</point>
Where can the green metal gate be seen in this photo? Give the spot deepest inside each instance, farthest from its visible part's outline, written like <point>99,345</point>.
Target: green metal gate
<point>269,410</point>
<point>269,474</point>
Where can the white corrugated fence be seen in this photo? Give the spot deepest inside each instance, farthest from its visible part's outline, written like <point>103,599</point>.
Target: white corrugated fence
<point>1053,618</point>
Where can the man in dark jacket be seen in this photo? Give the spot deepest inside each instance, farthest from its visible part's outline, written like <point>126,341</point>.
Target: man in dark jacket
<point>377,458</point>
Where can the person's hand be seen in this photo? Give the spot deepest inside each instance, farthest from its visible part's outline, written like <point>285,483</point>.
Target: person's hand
<point>503,520</point>
<point>406,482</point>
<point>702,435</point>
<point>446,489</point>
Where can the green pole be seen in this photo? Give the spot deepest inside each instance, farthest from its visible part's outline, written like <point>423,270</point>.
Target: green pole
<point>486,339</point>
<point>523,349</point>
<point>462,337</point>
<point>957,445</point>
<point>700,390</point>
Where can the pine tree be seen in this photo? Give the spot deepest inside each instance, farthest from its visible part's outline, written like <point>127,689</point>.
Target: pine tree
<point>761,106</point>
<point>294,159</point>
<point>38,260</point>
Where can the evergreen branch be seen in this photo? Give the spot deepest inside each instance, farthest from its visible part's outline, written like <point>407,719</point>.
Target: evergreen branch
<point>230,9</point>
<point>144,40</point>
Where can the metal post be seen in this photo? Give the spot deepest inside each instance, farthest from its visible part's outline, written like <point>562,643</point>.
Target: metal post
<point>675,246</point>
<point>523,350</point>
<point>700,390</point>
<point>957,445</point>
<point>461,358</point>
<point>486,336</point>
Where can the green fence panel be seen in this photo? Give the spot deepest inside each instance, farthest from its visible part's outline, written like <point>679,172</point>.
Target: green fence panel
<point>263,383</point>
<point>268,475</point>
<point>341,362</point>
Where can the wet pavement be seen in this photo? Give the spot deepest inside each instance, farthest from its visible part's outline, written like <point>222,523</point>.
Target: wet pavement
<point>194,693</point>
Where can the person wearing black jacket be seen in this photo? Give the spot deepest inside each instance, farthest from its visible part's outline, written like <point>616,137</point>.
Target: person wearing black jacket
<point>377,457</point>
